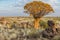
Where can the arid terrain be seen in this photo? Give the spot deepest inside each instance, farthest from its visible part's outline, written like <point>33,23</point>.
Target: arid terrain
<point>21,28</point>
<point>8,21</point>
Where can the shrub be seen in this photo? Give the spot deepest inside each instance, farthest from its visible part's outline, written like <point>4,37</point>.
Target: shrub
<point>43,24</point>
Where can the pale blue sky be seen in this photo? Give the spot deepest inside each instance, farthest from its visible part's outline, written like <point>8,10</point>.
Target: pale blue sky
<point>15,7</point>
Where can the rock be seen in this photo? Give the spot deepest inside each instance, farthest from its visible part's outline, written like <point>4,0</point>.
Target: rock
<point>21,34</point>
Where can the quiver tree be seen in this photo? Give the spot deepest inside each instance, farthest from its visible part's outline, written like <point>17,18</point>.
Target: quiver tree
<point>38,9</point>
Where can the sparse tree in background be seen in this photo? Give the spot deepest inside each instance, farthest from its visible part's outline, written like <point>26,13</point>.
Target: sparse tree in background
<point>38,9</point>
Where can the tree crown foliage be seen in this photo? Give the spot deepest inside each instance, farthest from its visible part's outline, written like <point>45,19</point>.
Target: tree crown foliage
<point>38,8</point>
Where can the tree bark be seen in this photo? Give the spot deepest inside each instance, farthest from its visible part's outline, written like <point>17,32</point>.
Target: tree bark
<point>36,23</point>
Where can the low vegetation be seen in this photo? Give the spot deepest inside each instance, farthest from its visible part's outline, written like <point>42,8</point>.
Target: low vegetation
<point>23,27</point>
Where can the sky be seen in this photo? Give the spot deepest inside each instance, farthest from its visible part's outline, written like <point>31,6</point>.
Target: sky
<point>16,7</point>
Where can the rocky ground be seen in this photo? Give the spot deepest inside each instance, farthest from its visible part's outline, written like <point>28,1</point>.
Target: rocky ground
<point>17,33</point>
<point>21,33</point>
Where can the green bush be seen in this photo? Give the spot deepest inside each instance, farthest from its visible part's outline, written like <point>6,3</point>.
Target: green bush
<point>43,24</point>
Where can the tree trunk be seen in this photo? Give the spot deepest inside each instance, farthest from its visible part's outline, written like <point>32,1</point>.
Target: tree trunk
<point>36,23</point>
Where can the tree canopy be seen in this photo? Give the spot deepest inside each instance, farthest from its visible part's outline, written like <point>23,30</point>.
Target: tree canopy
<point>38,8</point>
